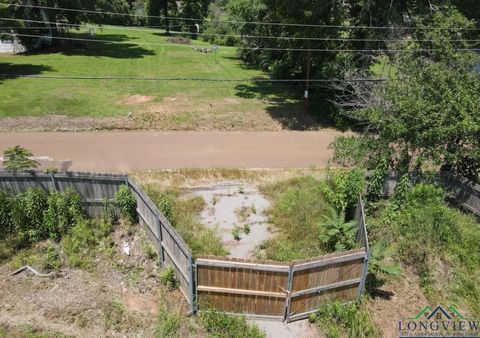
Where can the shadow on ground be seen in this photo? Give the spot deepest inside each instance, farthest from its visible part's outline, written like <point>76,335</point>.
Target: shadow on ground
<point>112,45</point>
<point>285,104</point>
<point>12,71</point>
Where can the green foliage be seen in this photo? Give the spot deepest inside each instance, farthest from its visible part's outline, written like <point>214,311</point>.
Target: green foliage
<point>337,234</point>
<point>439,242</point>
<point>349,151</point>
<point>350,320</point>
<point>300,210</point>
<point>5,217</point>
<point>342,188</point>
<point>127,204</point>
<point>168,278</point>
<point>221,325</point>
<point>380,261</point>
<point>168,323</point>
<point>113,315</point>
<point>184,217</point>
<point>18,158</point>
<point>79,245</point>
<point>246,229</point>
<point>236,233</point>
<point>64,210</point>
<point>108,212</point>
<point>430,118</point>
<point>27,215</point>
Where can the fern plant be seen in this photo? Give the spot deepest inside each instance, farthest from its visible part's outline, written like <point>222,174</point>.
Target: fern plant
<point>380,252</point>
<point>337,234</point>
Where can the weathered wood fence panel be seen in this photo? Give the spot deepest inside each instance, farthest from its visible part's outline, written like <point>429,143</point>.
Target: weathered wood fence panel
<point>242,286</point>
<point>93,188</point>
<point>173,250</point>
<point>464,192</point>
<point>337,276</point>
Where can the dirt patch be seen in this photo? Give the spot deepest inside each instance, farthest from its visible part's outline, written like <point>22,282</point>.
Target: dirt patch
<point>135,99</point>
<point>402,298</point>
<point>65,123</point>
<point>120,298</point>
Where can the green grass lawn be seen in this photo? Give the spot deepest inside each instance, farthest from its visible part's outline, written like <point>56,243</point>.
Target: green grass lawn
<point>124,56</point>
<point>185,105</point>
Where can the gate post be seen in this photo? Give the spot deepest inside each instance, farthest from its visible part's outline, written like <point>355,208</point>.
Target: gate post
<point>193,287</point>
<point>286,316</point>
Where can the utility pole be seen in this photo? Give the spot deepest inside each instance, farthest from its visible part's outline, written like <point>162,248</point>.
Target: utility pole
<point>307,81</point>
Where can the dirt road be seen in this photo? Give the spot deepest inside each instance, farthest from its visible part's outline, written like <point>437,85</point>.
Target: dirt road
<point>127,151</point>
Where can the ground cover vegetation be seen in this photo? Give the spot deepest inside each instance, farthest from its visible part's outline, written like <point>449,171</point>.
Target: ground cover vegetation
<point>183,214</point>
<point>51,232</point>
<point>255,102</point>
<point>310,215</point>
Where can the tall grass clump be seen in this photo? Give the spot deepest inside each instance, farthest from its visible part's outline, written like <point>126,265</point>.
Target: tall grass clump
<point>338,320</point>
<point>438,241</point>
<point>183,214</point>
<point>310,215</point>
<point>220,325</point>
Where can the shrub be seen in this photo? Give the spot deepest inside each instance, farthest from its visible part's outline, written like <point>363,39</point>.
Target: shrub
<point>27,215</point>
<point>63,211</point>
<point>168,278</point>
<point>342,188</point>
<point>108,212</point>
<point>246,229</point>
<point>17,158</point>
<point>127,203</point>
<point>219,324</point>
<point>338,235</point>
<point>6,226</point>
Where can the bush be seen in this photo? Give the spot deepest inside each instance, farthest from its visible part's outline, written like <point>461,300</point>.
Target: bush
<point>27,215</point>
<point>219,324</point>
<point>6,226</point>
<point>127,204</point>
<point>64,210</point>
<point>342,188</point>
<point>168,278</point>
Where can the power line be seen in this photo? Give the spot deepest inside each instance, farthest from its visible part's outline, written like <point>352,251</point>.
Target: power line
<point>244,22</point>
<point>136,78</point>
<point>226,35</point>
<point>326,50</point>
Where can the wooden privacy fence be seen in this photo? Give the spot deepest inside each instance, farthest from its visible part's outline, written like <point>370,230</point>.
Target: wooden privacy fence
<point>463,192</point>
<point>173,250</point>
<point>284,291</point>
<point>93,188</point>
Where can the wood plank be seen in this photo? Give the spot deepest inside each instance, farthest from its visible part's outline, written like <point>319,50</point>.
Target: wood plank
<point>241,291</point>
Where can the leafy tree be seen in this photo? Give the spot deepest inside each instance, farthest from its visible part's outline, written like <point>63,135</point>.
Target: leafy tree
<point>429,115</point>
<point>17,158</point>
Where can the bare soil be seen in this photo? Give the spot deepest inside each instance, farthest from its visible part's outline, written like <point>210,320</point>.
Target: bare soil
<point>129,151</point>
<point>79,303</point>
